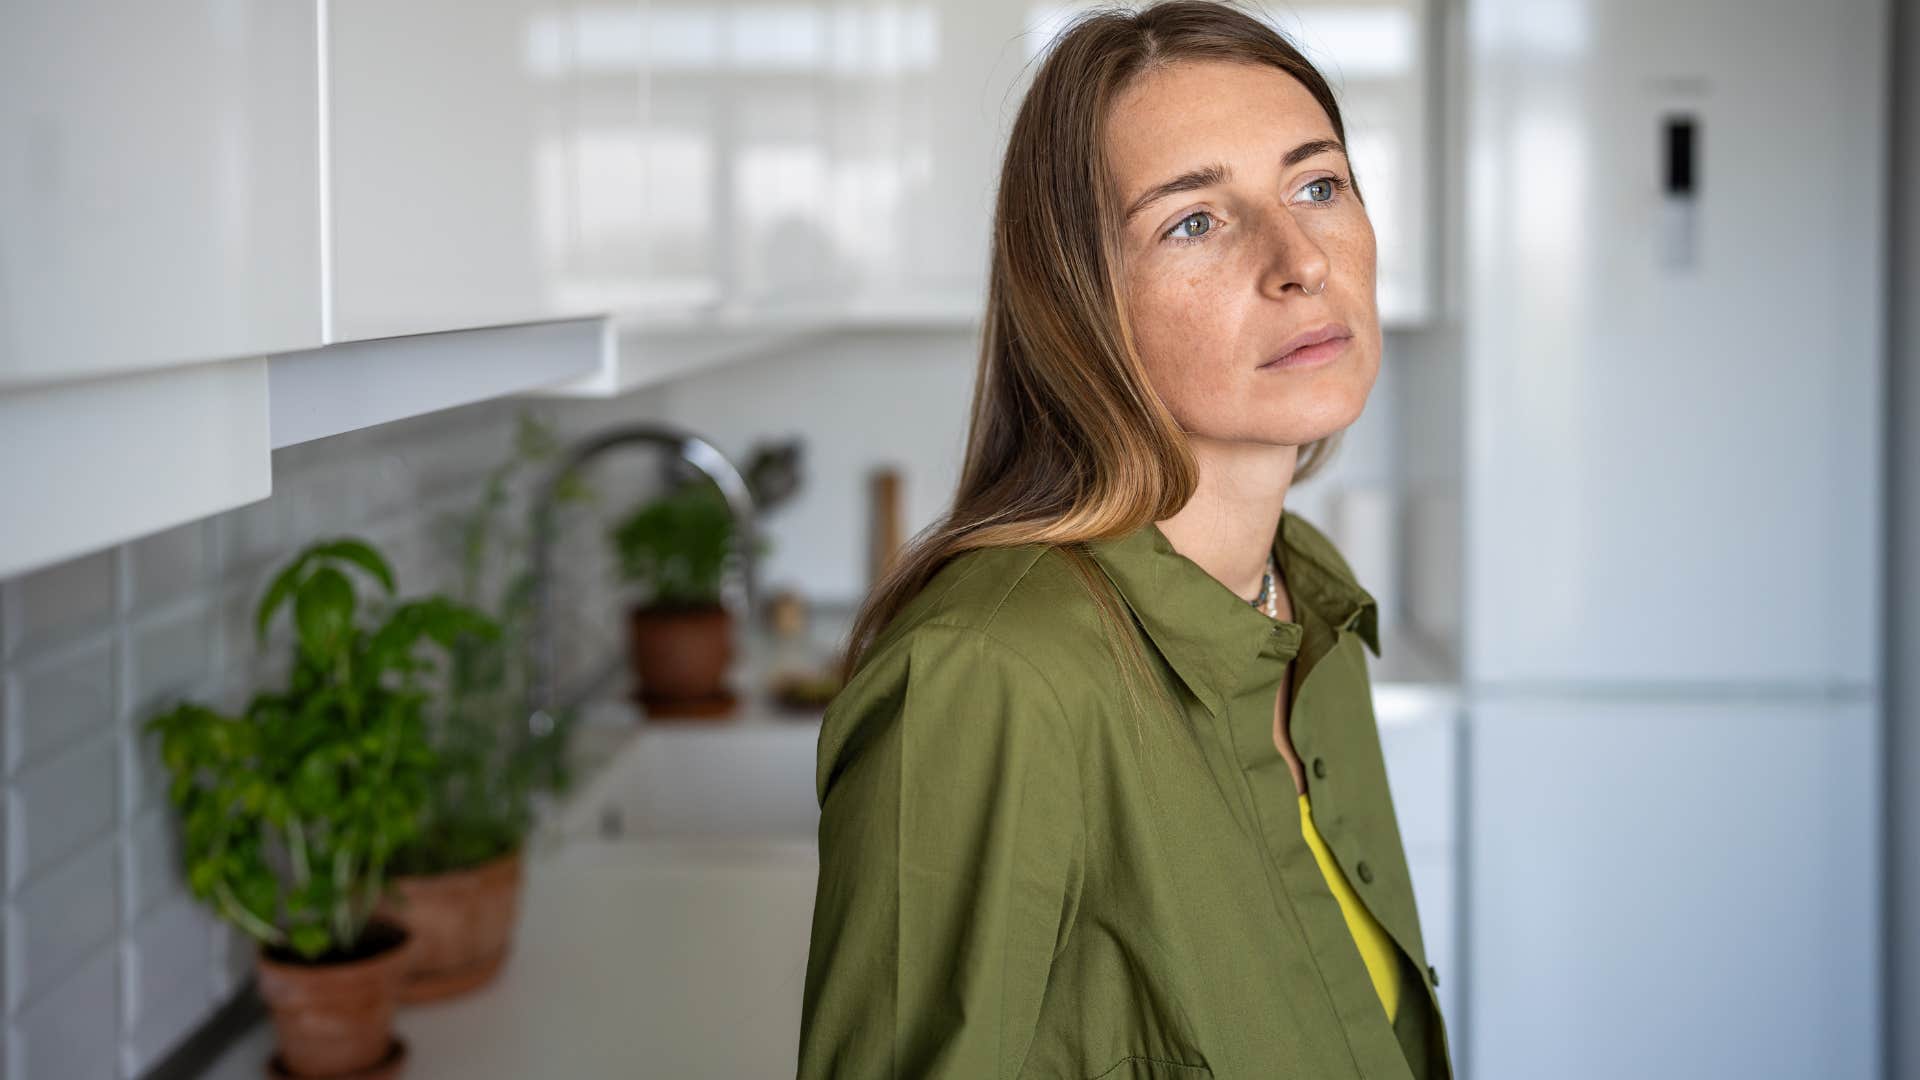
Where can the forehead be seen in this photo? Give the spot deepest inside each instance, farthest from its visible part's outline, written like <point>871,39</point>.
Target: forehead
<point>1197,111</point>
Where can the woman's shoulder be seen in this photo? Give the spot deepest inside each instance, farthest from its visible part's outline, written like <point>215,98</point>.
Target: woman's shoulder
<point>1025,611</point>
<point>995,639</point>
<point>1029,599</point>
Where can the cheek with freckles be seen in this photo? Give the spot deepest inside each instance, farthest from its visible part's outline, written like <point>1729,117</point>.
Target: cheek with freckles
<point>1185,328</point>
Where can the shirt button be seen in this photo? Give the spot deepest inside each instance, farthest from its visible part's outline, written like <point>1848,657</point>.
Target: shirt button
<point>1366,872</point>
<point>1320,767</point>
<point>1432,975</point>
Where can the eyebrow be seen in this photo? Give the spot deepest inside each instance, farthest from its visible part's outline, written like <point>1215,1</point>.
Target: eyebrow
<point>1210,175</point>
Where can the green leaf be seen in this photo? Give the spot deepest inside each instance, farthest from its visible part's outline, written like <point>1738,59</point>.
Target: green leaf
<point>277,593</point>
<point>323,610</point>
<point>677,544</point>
<point>360,553</point>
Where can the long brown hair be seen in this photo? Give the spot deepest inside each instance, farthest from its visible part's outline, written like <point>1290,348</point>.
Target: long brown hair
<point>1067,441</point>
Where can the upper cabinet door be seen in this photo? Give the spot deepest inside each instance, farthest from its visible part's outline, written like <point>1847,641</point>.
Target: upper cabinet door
<point>643,173</point>
<point>788,225</point>
<point>452,174</point>
<point>159,192</point>
<point>925,97</point>
<point>1673,359</point>
<point>737,144</point>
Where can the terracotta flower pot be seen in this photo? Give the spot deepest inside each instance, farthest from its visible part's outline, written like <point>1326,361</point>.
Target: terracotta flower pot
<point>461,923</point>
<point>681,657</point>
<point>336,1019</point>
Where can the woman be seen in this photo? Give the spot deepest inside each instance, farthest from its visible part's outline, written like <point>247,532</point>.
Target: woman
<point>1069,793</point>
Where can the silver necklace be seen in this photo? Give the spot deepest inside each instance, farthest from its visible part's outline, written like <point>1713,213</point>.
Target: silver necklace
<point>1267,601</point>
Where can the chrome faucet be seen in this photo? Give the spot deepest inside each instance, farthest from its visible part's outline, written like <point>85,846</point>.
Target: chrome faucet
<point>542,695</point>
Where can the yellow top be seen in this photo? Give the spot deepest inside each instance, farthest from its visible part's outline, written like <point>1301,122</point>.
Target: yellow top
<point>1376,948</point>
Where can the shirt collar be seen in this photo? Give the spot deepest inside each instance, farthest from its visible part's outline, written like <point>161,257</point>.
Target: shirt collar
<point>1206,631</point>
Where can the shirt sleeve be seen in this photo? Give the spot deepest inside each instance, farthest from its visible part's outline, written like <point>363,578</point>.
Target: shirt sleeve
<point>951,848</point>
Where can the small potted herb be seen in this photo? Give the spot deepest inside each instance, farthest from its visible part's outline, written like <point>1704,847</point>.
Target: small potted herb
<point>680,636</point>
<point>674,549</point>
<point>291,811</point>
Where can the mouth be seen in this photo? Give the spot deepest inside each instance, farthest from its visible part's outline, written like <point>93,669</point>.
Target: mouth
<point>1313,347</point>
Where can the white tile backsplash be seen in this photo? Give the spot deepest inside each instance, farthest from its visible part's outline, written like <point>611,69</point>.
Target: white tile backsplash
<point>57,920</point>
<point>59,603</point>
<point>143,780</point>
<point>57,702</point>
<point>64,1036</point>
<point>59,807</point>
<point>167,981</point>
<point>150,863</point>
<point>252,535</point>
<point>169,564</point>
<point>169,657</point>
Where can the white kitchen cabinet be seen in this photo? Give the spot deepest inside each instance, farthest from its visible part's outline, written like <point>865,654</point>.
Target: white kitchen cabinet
<point>932,90</point>
<point>669,165</point>
<point>736,137</point>
<point>1673,889</point>
<point>787,215</point>
<point>645,161</point>
<point>357,384</point>
<point>160,189</point>
<point>751,195</point>
<point>98,461</point>
<point>450,135</point>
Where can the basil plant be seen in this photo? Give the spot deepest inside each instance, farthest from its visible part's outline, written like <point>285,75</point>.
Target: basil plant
<point>291,810</point>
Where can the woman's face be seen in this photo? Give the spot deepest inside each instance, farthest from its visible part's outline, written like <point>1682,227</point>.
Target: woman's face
<point>1242,236</point>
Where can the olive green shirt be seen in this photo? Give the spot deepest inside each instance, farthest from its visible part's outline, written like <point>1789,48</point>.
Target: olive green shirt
<point>1024,873</point>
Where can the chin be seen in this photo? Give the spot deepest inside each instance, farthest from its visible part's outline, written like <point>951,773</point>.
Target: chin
<point>1331,410</point>
<point>1301,436</point>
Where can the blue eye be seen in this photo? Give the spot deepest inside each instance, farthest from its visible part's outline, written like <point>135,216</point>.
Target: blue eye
<point>1189,236</point>
<point>1339,184</point>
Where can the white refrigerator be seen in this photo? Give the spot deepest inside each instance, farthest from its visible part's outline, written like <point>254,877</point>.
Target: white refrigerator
<point>1672,221</point>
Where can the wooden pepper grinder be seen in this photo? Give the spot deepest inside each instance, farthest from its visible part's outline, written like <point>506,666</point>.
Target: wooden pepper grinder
<point>884,530</point>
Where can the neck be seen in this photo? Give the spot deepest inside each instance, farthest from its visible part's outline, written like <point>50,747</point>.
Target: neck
<point>1227,526</point>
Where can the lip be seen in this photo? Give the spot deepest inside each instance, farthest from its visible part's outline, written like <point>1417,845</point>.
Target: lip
<point>1320,343</point>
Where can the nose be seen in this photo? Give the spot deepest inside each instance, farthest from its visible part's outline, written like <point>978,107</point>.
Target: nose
<point>1290,258</point>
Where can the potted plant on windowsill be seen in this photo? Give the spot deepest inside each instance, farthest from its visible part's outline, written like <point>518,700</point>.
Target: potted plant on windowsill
<point>456,885</point>
<point>291,810</point>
